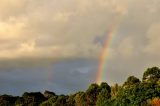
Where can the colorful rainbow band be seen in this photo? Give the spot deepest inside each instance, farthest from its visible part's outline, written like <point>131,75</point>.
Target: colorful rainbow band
<point>104,54</point>
<point>105,51</point>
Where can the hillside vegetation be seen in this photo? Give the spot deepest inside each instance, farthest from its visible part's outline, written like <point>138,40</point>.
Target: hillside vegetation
<point>133,92</point>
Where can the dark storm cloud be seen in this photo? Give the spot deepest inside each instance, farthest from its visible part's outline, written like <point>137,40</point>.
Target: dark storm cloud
<point>65,76</point>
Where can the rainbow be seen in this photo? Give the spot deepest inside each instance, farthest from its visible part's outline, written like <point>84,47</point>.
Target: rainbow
<point>121,10</point>
<point>105,52</point>
<point>104,55</point>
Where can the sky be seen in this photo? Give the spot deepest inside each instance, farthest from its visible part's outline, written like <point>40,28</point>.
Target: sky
<point>56,44</point>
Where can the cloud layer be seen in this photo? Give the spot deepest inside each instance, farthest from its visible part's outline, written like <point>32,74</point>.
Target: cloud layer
<point>44,32</point>
<point>68,28</point>
<point>54,28</point>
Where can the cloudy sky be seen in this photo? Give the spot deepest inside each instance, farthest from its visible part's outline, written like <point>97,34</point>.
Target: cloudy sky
<point>56,44</point>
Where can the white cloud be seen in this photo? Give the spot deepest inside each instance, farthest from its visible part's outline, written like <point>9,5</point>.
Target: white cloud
<point>9,8</point>
<point>68,28</point>
<point>11,29</point>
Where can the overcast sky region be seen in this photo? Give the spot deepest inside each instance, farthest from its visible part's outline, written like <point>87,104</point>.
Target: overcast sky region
<point>56,44</point>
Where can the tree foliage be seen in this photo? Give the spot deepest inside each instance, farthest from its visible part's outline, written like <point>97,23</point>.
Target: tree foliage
<point>103,98</point>
<point>132,93</point>
<point>151,74</point>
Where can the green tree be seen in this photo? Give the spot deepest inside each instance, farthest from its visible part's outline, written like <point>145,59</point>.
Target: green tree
<point>71,100</point>
<point>104,85</point>
<point>33,98</point>
<point>91,94</point>
<point>20,102</point>
<point>7,100</point>
<point>151,74</point>
<point>49,94</point>
<point>80,99</point>
<point>114,90</point>
<point>103,98</point>
<point>61,101</point>
<point>50,101</point>
<point>131,81</point>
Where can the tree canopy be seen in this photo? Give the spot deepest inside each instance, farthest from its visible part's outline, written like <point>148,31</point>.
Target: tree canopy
<point>132,92</point>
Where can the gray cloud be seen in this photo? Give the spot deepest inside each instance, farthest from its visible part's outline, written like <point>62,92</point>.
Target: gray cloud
<point>65,76</point>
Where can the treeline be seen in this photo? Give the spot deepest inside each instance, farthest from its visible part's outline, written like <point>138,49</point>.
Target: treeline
<point>133,92</point>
